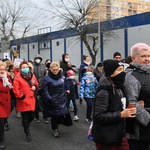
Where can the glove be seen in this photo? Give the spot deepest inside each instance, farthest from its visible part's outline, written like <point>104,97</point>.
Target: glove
<point>22,98</point>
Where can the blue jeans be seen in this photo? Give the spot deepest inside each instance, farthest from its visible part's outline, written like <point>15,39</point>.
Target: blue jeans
<point>74,105</point>
<point>89,102</point>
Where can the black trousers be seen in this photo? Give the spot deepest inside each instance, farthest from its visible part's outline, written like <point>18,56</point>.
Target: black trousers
<point>27,118</point>
<point>138,145</point>
<point>56,121</point>
<point>1,130</point>
<point>37,109</point>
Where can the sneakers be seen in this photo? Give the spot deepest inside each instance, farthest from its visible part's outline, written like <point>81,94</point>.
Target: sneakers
<point>88,120</point>
<point>18,114</point>
<point>56,133</point>
<point>37,120</point>
<point>45,121</point>
<point>6,127</point>
<point>76,118</point>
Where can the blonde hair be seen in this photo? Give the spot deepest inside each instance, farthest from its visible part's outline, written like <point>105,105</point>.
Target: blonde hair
<point>3,64</point>
<point>54,64</point>
<point>135,49</point>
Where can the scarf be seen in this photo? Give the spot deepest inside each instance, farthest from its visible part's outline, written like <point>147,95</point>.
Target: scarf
<point>141,66</point>
<point>5,80</point>
<point>55,76</point>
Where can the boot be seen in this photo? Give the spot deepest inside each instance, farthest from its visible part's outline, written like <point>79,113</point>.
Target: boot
<point>28,135</point>
<point>6,127</point>
<point>2,146</point>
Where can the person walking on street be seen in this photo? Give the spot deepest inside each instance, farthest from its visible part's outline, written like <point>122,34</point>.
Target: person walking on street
<point>65,64</point>
<point>72,92</point>
<point>86,64</point>
<point>87,92</point>
<point>110,109</point>
<point>54,93</point>
<point>5,100</point>
<point>138,90</point>
<point>40,72</point>
<point>24,87</point>
<point>98,71</point>
<point>117,56</point>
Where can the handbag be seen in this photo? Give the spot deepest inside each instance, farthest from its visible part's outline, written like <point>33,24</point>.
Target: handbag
<point>67,121</point>
<point>39,102</point>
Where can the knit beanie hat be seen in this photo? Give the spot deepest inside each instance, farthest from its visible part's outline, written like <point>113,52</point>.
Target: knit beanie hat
<point>100,64</point>
<point>116,54</point>
<point>110,65</point>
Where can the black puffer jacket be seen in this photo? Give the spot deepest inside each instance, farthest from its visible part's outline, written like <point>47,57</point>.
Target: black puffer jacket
<point>108,126</point>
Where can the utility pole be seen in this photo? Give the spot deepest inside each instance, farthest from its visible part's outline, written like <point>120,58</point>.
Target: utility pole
<point>99,32</point>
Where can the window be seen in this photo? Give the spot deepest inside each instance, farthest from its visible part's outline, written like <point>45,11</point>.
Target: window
<point>57,43</point>
<point>107,9</point>
<point>45,45</point>
<point>108,16</point>
<point>33,46</point>
<point>108,1</point>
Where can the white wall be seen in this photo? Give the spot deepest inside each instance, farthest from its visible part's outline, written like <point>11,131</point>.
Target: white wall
<point>114,44</point>
<point>73,46</point>
<point>138,34</point>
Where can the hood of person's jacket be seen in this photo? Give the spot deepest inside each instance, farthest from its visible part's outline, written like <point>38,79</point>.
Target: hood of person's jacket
<point>38,56</point>
<point>63,58</point>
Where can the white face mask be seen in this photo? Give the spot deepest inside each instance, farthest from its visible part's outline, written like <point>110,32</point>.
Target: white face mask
<point>66,59</point>
<point>71,77</point>
<point>37,60</point>
<point>89,73</point>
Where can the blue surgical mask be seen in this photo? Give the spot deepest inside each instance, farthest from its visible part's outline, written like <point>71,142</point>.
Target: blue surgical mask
<point>25,70</point>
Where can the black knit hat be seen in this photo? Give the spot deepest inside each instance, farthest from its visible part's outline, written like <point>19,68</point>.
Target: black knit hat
<point>116,54</point>
<point>100,64</point>
<point>110,65</point>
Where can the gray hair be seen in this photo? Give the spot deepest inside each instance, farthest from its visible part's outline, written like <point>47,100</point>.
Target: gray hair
<point>135,49</point>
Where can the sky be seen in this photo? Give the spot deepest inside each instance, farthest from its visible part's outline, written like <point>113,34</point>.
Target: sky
<point>51,23</point>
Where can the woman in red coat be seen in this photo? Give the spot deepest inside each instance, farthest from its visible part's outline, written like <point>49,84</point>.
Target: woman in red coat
<point>25,85</point>
<point>5,100</point>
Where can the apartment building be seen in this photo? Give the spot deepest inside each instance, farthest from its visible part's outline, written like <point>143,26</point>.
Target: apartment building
<point>112,9</point>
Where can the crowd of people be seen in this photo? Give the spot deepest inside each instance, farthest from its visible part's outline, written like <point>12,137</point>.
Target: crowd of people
<point>116,93</point>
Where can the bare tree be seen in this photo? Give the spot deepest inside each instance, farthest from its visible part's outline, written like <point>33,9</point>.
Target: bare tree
<point>73,14</point>
<point>17,20</point>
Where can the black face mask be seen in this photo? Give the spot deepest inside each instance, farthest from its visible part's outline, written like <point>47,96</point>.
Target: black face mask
<point>119,80</point>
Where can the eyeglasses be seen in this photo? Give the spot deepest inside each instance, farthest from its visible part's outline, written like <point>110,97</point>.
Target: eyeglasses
<point>54,69</point>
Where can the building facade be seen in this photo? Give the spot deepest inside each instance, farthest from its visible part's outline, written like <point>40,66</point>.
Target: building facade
<point>127,30</point>
<point>112,9</point>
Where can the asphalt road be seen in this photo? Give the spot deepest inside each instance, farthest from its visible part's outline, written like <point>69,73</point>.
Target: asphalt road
<point>71,138</point>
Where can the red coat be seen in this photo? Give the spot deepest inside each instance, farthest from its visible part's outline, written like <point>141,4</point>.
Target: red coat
<point>20,88</point>
<point>5,100</point>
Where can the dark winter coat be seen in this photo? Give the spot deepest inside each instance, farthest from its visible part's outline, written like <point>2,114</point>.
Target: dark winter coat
<point>71,85</point>
<point>82,70</point>
<point>108,126</point>
<point>64,65</point>
<point>98,74</point>
<point>54,93</point>
<point>39,70</point>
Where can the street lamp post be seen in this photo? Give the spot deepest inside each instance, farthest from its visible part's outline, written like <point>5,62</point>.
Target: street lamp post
<point>99,31</point>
